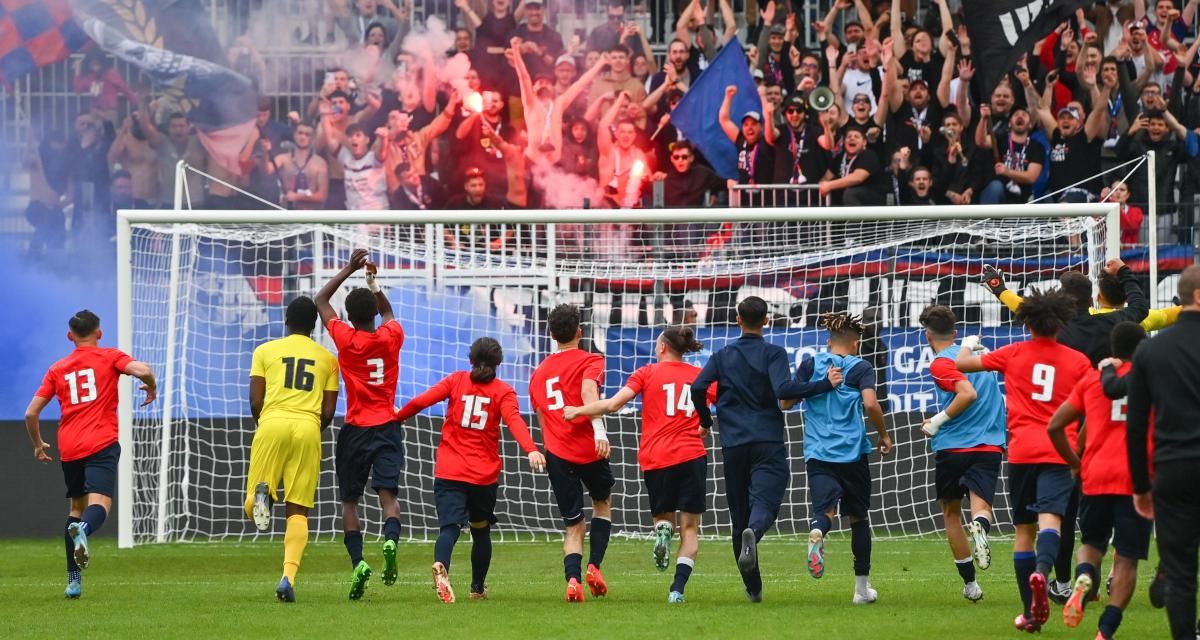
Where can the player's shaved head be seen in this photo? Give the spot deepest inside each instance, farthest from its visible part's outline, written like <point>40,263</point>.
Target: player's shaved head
<point>1045,314</point>
<point>1189,286</point>
<point>939,321</point>
<point>1125,337</point>
<point>1111,291</point>
<point>1078,287</point>
<point>83,324</point>
<point>361,307</point>
<point>301,315</point>
<point>564,323</point>
<point>752,312</point>
<point>486,355</point>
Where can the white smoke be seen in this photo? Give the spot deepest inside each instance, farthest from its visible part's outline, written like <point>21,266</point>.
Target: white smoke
<point>562,189</point>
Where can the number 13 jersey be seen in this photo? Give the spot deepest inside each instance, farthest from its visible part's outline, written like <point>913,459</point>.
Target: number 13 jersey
<point>558,383</point>
<point>85,384</point>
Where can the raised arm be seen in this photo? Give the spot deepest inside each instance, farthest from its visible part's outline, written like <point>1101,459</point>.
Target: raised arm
<point>729,21</point>
<point>983,130</point>
<point>685,19</point>
<point>469,16</point>
<point>582,82</point>
<point>727,125</point>
<point>514,57</point>
<point>604,129</point>
<point>899,46</point>
<point>1096,125</point>
<point>1037,107</point>
<point>358,260</point>
<point>864,16</point>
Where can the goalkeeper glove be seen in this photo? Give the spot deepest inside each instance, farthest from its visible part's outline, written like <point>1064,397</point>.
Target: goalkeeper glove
<point>993,279</point>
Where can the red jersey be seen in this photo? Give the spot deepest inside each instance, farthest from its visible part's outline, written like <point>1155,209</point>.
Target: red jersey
<point>669,421</point>
<point>85,383</point>
<point>370,363</point>
<point>1038,376</point>
<point>558,383</point>
<point>470,446</point>
<point>1105,468</point>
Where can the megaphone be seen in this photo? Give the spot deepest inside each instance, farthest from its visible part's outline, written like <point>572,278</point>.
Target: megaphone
<point>820,99</point>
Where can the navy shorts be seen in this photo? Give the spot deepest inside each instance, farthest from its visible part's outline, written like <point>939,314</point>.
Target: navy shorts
<point>843,484</point>
<point>1038,488</point>
<point>956,473</point>
<point>362,451</point>
<point>96,473</point>
<point>568,481</point>
<point>679,487</point>
<point>1110,516</point>
<point>461,503</point>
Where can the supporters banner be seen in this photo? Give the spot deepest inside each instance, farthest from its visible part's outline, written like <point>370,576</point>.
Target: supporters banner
<point>696,114</point>
<point>35,33</point>
<point>1002,30</point>
<point>173,42</point>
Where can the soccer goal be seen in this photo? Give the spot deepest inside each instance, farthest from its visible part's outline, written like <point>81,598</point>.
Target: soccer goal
<point>198,290</point>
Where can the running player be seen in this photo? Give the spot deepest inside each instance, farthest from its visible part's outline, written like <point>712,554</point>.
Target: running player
<point>293,394</point>
<point>576,450</point>
<point>672,452</point>
<point>371,440</point>
<point>85,383</point>
<point>1038,375</point>
<point>1106,509</point>
<point>968,444</point>
<point>467,472</point>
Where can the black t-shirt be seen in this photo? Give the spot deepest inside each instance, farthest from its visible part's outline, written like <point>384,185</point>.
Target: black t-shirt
<point>1018,155</point>
<point>1073,159</point>
<point>688,189</point>
<point>904,126</point>
<point>755,163</point>
<point>494,72</point>
<point>797,153</point>
<point>879,181</point>
<point>549,40</point>
<point>930,72</point>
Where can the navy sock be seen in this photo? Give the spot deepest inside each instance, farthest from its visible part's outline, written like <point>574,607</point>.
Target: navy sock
<point>1110,620</point>
<point>598,540</point>
<point>444,547</point>
<point>1025,563</point>
<point>391,529</point>
<point>683,571</point>
<point>1090,570</point>
<point>354,546</point>
<point>822,522</point>
<point>984,523</point>
<point>481,556</point>
<point>72,568</point>
<point>1047,550</point>
<point>94,517</point>
<point>966,570</point>
<point>860,544</point>
<point>573,566</point>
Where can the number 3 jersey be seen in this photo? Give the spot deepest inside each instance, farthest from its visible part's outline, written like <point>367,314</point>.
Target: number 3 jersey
<point>370,362</point>
<point>470,446</point>
<point>558,383</point>
<point>669,421</point>
<point>85,384</point>
<point>1038,376</point>
<point>298,371</point>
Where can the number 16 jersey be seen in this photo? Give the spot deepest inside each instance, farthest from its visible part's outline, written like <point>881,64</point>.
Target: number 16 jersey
<point>558,383</point>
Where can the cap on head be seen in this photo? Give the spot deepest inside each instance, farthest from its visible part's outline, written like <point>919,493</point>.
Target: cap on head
<point>753,115</point>
<point>565,59</point>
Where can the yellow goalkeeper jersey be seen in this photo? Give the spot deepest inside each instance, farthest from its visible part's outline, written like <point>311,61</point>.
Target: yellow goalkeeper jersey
<point>1156,319</point>
<point>298,371</point>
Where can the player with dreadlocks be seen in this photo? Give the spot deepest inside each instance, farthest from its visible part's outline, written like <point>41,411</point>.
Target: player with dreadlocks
<point>840,387</point>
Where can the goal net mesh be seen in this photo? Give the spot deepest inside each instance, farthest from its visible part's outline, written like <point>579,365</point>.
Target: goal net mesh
<point>204,295</point>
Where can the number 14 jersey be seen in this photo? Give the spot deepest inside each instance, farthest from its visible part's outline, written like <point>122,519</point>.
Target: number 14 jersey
<point>669,422</point>
<point>558,383</point>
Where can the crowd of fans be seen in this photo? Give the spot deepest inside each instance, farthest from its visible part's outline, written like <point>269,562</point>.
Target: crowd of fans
<point>539,120</point>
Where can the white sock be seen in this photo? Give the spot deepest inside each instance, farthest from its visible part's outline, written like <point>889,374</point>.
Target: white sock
<point>861,584</point>
<point>688,561</point>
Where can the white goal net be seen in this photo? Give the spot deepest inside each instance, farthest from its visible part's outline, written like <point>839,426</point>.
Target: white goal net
<point>199,290</point>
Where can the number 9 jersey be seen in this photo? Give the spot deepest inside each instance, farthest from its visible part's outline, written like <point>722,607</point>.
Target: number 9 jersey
<point>558,383</point>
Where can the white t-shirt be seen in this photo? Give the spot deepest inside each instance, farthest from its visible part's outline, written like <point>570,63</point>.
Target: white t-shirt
<point>366,181</point>
<point>855,82</point>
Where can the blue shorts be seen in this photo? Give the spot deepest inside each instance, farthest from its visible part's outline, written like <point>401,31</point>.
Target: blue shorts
<point>846,485</point>
<point>96,473</point>
<point>957,472</point>
<point>679,487</point>
<point>568,480</point>
<point>362,451</point>
<point>461,503</point>
<point>1038,488</point>
<point>1112,516</point>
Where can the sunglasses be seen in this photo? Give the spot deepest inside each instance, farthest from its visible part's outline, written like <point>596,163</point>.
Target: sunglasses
<point>860,101</point>
<point>793,110</point>
<point>681,156</point>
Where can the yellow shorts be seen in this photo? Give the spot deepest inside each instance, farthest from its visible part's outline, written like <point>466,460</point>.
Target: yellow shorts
<point>286,451</point>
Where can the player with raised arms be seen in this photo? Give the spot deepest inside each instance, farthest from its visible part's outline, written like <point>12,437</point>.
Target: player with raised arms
<point>576,450</point>
<point>839,387</point>
<point>467,472</point>
<point>1038,376</point>
<point>968,444</point>
<point>672,451</point>
<point>1106,508</point>
<point>293,394</point>
<point>85,383</point>
<point>371,441</point>
<point>752,376</point>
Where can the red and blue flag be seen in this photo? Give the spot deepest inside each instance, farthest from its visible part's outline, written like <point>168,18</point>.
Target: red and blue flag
<point>35,33</point>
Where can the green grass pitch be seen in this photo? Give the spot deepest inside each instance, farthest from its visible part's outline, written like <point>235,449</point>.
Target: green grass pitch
<point>226,590</point>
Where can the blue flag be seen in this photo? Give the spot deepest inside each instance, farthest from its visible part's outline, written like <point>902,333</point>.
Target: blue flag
<point>696,114</point>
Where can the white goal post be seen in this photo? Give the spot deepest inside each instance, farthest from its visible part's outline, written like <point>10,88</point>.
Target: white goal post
<point>184,305</point>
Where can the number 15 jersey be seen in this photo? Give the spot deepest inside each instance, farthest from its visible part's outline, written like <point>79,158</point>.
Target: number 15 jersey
<point>370,362</point>
<point>558,383</point>
<point>1039,374</point>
